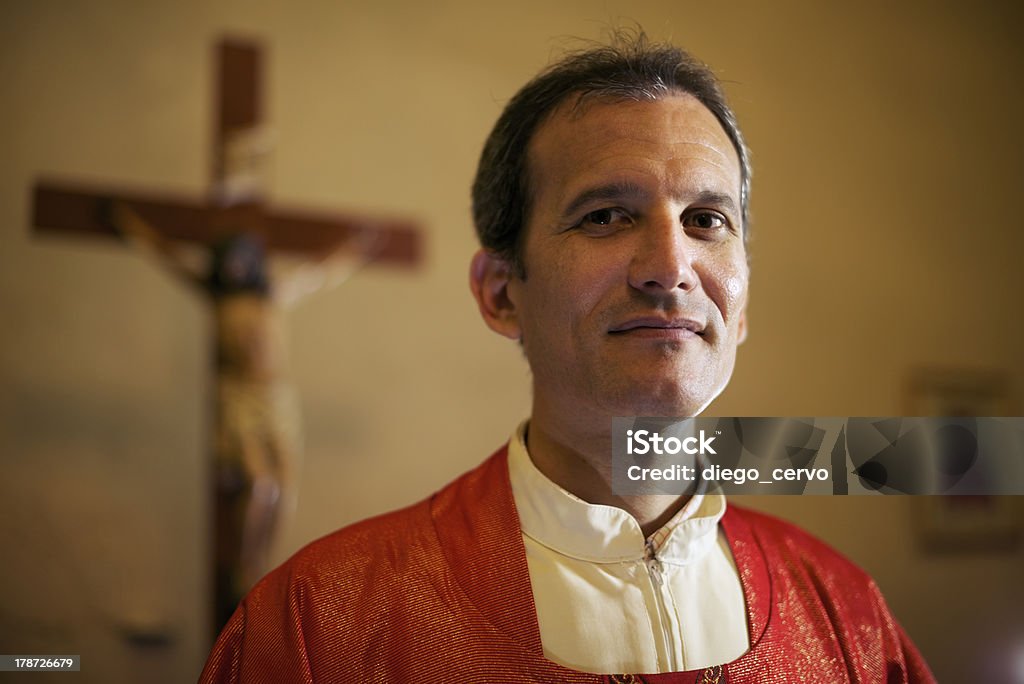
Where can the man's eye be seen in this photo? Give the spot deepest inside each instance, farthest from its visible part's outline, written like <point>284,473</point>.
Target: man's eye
<point>601,217</point>
<point>604,217</point>
<point>705,220</point>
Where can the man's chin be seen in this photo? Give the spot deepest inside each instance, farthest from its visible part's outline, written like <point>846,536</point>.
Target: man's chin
<point>682,405</point>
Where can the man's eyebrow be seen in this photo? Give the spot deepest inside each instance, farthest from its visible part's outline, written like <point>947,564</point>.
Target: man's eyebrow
<point>717,199</point>
<point>607,192</point>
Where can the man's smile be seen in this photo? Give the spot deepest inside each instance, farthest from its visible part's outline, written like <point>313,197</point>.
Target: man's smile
<point>657,327</point>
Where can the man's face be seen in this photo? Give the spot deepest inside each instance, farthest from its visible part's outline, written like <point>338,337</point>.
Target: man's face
<point>635,286</point>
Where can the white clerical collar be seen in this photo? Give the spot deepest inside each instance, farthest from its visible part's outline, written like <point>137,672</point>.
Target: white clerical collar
<point>598,533</point>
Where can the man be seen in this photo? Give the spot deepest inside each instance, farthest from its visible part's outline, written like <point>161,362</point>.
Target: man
<point>611,202</point>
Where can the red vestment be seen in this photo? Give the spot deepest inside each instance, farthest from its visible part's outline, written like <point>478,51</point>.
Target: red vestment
<point>440,592</point>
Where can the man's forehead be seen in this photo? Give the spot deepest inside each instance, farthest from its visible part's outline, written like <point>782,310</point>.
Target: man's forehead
<point>676,126</point>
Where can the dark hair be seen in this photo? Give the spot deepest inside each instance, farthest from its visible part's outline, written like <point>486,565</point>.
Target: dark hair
<point>629,68</point>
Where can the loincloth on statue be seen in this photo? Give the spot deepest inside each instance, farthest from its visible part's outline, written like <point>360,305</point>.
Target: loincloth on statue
<point>258,432</point>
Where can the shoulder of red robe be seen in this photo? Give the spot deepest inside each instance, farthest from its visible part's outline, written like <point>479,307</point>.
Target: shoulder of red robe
<point>339,588</point>
<point>816,588</point>
<point>411,595</point>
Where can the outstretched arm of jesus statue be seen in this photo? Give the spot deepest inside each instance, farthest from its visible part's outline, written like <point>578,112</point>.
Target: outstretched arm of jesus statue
<point>142,235</point>
<point>329,271</point>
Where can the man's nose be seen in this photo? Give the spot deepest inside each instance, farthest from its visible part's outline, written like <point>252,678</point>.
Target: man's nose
<point>663,259</point>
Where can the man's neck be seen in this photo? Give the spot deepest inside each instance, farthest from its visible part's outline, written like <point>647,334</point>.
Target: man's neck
<point>581,464</point>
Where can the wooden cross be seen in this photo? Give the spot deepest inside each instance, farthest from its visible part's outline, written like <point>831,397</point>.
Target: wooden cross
<point>254,441</point>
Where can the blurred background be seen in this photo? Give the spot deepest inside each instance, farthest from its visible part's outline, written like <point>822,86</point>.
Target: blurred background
<point>886,147</point>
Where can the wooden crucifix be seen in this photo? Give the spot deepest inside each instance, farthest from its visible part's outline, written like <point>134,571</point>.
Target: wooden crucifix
<point>255,432</point>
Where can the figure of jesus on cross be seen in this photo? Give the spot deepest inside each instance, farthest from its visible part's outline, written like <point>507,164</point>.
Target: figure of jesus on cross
<point>255,438</point>
<point>256,423</point>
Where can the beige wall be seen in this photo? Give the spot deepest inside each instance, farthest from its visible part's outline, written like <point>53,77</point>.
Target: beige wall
<point>886,147</point>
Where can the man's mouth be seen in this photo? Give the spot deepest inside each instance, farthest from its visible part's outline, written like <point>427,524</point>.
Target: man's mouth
<point>659,327</point>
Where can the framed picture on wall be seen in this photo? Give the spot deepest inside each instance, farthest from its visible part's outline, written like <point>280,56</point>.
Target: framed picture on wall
<point>963,524</point>
<point>951,392</point>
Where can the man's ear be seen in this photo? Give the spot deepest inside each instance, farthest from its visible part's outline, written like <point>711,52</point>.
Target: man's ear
<point>489,277</point>
<point>742,329</point>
